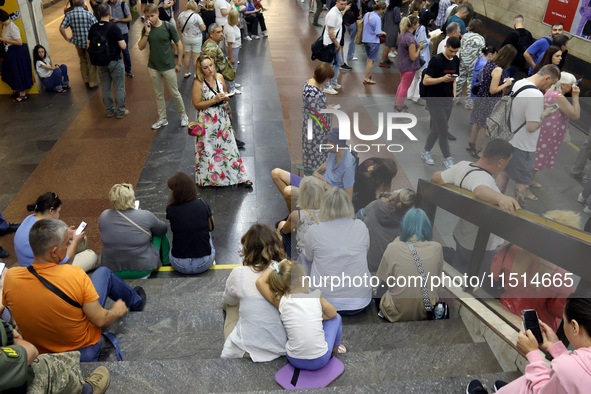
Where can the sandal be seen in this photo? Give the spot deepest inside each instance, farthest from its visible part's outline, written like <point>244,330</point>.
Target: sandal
<point>402,109</point>
<point>20,99</point>
<point>476,153</point>
<point>246,185</point>
<point>521,198</point>
<point>341,349</point>
<point>61,91</point>
<point>471,147</point>
<point>535,185</point>
<point>529,195</point>
<point>369,82</point>
<point>65,86</point>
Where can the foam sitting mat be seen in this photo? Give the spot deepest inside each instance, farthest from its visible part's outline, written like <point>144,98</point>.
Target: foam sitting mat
<point>291,378</point>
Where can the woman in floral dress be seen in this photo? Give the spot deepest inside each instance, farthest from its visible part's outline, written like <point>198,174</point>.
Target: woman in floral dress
<point>217,160</point>
<point>554,127</point>
<point>315,100</point>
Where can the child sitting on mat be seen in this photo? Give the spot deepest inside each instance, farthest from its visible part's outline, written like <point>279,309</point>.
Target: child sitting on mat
<point>312,324</point>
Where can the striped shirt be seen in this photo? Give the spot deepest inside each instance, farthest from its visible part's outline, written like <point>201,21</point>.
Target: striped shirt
<point>79,20</point>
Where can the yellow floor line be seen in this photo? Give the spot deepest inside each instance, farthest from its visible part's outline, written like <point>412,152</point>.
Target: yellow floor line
<point>213,267</point>
<point>55,20</point>
<point>573,146</point>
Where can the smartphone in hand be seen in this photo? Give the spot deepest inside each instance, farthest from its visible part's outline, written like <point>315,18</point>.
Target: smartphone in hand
<point>81,228</point>
<point>531,322</point>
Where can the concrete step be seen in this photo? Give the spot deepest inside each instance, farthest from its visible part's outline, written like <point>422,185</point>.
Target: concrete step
<point>454,384</point>
<point>168,374</point>
<point>199,334</point>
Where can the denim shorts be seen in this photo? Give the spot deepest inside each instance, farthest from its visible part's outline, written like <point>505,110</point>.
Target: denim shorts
<point>196,265</point>
<point>372,50</point>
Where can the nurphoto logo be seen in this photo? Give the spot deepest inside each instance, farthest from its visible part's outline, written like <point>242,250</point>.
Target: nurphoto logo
<point>391,120</point>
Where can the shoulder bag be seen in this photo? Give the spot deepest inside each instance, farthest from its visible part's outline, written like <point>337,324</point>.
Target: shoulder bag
<point>440,310</point>
<point>324,53</point>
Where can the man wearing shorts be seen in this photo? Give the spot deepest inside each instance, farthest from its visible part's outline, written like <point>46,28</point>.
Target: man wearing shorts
<point>338,171</point>
<point>527,113</point>
<point>332,35</point>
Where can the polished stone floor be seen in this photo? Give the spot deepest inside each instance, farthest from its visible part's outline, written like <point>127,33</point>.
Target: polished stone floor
<point>64,143</point>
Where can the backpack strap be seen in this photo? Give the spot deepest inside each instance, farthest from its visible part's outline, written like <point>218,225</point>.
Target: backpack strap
<point>167,24</point>
<point>187,21</point>
<point>549,40</point>
<point>471,171</point>
<point>513,95</point>
<point>424,291</point>
<point>55,290</point>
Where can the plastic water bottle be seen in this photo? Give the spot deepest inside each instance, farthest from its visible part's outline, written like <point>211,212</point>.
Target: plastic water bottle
<point>439,311</point>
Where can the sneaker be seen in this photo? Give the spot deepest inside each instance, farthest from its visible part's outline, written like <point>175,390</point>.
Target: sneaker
<point>420,102</point>
<point>255,37</point>
<point>265,34</point>
<point>498,384</point>
<point>448,162</point>
<point>12,227</point>
<point>236,91</point>
<point>184,120</point>
<point>4,253</point>
<point>469,107</point>
<point>346,67</point>
<point>142,293</point>
<point>247,38</point>
<point>580,198</point>
<point>330,90</point>
<point>160,123</point>
<point>123,115</point>
<point>336,86</point>
<point>129,74</point>
<point>587,210</point>
<point>187,75</point>
<point>110,114</point>
<point>390,62</point>
<point>451,137</point>
<point>427,157</point>
<point>237,85</point>
<point>99,380</point>
<point>353,58</point>
<point>475,387</point>
<point>384,65</point>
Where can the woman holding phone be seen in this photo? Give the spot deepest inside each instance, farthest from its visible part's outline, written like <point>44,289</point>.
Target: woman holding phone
<point>569,372</point>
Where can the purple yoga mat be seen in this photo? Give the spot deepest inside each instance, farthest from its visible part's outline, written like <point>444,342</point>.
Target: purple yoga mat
<point>310,379</point>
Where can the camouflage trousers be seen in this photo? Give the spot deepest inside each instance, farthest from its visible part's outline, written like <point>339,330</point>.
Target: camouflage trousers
<point>56,373</point>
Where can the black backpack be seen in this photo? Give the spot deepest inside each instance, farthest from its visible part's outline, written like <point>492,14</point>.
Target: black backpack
<point>524,41</point>
<point>99,51</point>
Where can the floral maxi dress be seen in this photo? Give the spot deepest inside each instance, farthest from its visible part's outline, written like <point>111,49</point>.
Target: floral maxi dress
<point>217,160</point>
<point>551,135</point>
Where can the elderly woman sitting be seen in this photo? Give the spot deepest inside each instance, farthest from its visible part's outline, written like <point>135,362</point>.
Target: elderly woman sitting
<point>336,248</point>
<point>127,235</point>
<point>406,303</point>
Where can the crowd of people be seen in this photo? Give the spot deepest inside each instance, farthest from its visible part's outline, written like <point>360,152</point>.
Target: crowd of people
<point>343,221</point>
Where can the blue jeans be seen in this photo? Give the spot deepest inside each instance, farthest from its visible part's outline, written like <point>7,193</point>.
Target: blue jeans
<point>126,58</point>
<point>193,266</point>
<point>332,335</point>
<point>231,84</point>
<point>335,67</point>
<point>114,73</point>
<point>58,77</point>
<point>3,223</point>
<point>352,29</point>
<point>108,285</point>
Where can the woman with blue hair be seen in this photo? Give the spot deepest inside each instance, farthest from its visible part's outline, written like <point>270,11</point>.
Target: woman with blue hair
<point>403,299</point>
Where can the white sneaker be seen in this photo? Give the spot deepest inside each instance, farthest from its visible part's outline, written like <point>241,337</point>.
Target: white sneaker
<point>448,162</point>
<point>255,37</point>
<point>247,38</point>
<point>330,90</point>
<point>265,34</point>
<point>236,84</point>
<point>587,210</point>
<point>236,91</point>
<point>353,58</point>
<point>160,123</point>
<point>427,157</point>
<point>580,198</point>
<point>336,86</point>
<point>184,120</point>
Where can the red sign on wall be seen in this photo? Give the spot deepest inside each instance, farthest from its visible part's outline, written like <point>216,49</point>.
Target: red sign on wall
<point>574,14</point>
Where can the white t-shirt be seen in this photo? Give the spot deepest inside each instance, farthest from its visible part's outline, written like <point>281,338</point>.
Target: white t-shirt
<point>465,232</point>
<point>259,330</point>
<point>301,316</point>
<point>333,19</point>
<point>192,28</point>
<point>219,5</point>
<point>11,31</point>
<point>527,106</point>
<point>43,72</point>
<point>442,44</point>
<point>232,34</point>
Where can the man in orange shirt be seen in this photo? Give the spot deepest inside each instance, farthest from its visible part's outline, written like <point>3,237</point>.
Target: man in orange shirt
<point>69,316</point>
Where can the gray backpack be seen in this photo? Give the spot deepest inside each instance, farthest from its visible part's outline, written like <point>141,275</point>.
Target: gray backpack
<point>498,124</point>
